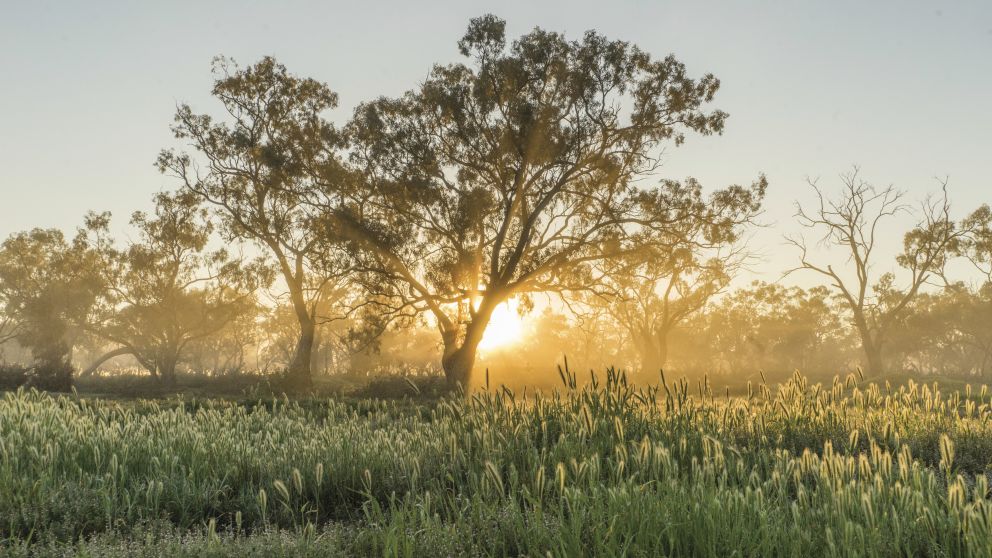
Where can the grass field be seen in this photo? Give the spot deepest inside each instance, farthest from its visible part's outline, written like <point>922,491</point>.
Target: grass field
<point>842,469</point>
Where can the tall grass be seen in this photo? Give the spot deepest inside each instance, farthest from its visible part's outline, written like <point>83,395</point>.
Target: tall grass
<point>604,469</point>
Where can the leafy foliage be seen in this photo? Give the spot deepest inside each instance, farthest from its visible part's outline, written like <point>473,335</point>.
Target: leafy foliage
<point>166,290</point>
<point>48,287</point>
<point>514,173</point>
<point>257,167</point>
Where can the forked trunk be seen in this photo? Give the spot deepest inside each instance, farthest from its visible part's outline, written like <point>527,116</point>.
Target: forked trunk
<point>458,359</point>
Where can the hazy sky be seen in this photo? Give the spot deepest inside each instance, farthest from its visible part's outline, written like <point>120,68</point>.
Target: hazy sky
<point>88,89</point>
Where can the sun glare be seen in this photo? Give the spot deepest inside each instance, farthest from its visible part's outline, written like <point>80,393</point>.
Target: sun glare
<point>505,327</point>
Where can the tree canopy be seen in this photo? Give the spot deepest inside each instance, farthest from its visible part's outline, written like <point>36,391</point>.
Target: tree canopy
<point>512,174</point>
<point>256,166</point>
<point>167,290</point>
<point>679,269</point>
<point>853,222</point>
<point>49,286</point>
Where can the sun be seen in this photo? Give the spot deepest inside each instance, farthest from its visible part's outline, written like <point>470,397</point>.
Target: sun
<point>505,327</point>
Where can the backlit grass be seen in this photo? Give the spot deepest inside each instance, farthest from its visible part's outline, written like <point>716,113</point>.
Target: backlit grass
<point>604,469</point>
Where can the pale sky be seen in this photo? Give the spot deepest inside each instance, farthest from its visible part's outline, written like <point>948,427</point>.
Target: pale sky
<point>901,88</point>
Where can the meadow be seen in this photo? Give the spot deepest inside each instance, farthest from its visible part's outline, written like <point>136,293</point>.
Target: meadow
<point>596,468</point>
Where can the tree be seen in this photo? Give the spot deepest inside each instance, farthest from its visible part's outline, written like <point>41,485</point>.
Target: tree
<point>511,175</point>
<point>977,245</point>
<point>851,223</point>
<point>232,348</point>
<point>10,325</point>
<point>947,332</point>
<point>333,339</point>
<point>596,342</point>
<point>275,146</point>
<point>971,313</point>
<point>167,291</point>
<point>48,287</point>
<point>650,292</point>
<point>764,327</point>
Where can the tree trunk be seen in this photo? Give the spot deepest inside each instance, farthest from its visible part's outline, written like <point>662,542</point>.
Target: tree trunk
<point>458,364</point>
<point>871,345</point>
<point>873,357</point>
<point>298,373</point>
<point>120,351</point>
<point>458,359</point>
<point>166,366</point>
<point>653,352</point>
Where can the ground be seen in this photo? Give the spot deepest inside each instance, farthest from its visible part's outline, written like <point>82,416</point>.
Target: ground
<point>831,468</point>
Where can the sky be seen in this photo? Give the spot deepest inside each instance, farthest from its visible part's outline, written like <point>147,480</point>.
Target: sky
<point>900,88</point>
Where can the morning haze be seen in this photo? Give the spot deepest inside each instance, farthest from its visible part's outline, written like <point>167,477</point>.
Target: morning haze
<point>527,279</point>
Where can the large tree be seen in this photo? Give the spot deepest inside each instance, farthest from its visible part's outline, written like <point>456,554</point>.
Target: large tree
<point>680,268</point>
<point>48,287</point>
<point>511,174</point>
<point>273,146</point>
<point>168,290</point>
<point>853,223</point>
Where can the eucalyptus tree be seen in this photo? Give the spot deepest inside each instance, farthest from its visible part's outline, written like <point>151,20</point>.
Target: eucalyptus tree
<point>512,173</point>
<point>679,268</point>
<point>168,290</point>
<point>10,324</point>
<point>977,245</point>
<point>769,327</point>
<point>272,146</point>
<point>853,223</point>
<point>49,285</point>
<point>947,332</point>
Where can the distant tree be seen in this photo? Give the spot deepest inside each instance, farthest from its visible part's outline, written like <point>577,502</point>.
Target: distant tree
<point>232,348</point>
<point>278,337</point>
<point>977,245</point>
<point>48,288</point>
<point>679,269</point>
<point>948,332</point>
<point>10,325</point>
<point>512,174</point>
<point>596,342</point>
<point>167,290</point>
<point>412,349</point>
<point>274,146</point>
<point>334,338</point>
<point>971,313</point>
<point>764,326</point>
<point>852,223</point>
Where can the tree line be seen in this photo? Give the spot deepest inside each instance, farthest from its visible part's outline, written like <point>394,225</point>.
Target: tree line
<point>527,170</point>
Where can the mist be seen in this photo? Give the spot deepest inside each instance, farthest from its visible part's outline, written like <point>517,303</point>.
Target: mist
<point>509,308</point>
